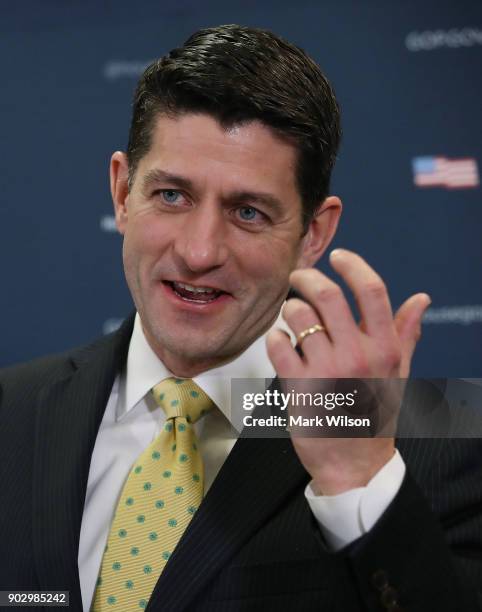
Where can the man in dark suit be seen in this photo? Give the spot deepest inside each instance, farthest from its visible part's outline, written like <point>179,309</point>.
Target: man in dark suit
<point>222,199</point>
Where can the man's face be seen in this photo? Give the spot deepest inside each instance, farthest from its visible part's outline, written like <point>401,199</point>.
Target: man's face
<point>212,229</point>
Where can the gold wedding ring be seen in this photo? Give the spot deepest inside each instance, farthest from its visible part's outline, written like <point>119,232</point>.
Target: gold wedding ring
<point>308,331</point>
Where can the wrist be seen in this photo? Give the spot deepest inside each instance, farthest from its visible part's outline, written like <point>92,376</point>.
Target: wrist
<point>338,477</point>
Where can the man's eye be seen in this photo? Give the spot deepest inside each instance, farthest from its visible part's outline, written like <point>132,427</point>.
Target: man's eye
<point>170,195</point>
<point>248,213</point>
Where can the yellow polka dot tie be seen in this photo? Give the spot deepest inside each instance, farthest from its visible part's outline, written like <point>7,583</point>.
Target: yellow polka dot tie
<point>162,492</point>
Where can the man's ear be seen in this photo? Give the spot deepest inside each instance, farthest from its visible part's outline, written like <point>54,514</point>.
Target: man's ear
<point>320,232</point>
<point>119,188</point>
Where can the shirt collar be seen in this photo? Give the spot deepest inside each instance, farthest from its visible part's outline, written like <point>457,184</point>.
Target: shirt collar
<point>144,370</point>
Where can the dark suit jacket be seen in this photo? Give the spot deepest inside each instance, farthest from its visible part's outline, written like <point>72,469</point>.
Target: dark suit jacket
<point>253,544</point>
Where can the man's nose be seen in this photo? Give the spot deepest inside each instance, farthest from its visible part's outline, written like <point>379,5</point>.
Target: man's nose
<point>201,243</point>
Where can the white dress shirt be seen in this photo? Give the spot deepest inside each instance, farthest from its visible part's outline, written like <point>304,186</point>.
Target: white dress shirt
<point>132,420</point>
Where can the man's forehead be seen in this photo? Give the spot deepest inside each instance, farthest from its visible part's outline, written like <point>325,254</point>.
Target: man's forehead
<point>198,144</point>
<point>244,163</point>
<point>252,134</point>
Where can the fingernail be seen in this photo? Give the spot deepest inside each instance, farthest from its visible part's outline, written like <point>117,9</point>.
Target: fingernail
<point>336,253</point>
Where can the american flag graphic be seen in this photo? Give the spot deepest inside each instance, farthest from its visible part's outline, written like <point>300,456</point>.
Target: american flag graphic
<point>443,172</point>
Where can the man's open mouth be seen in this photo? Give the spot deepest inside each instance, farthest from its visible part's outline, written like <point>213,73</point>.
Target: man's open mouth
<point>194,294</point>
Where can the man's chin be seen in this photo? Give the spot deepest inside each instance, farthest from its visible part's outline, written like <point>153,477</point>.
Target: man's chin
<point>189,350</point>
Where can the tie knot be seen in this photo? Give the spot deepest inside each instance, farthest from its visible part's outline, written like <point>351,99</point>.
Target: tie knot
<point>181,397</point>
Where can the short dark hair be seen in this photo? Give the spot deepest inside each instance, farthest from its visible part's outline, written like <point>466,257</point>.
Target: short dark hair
<point>238,74</point>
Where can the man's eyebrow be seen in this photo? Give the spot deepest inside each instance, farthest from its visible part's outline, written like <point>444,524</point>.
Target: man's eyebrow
<point>157,175</point>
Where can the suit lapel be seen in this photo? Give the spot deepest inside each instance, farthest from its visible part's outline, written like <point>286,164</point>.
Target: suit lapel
<point>257,477</point>
<point>69,414</point>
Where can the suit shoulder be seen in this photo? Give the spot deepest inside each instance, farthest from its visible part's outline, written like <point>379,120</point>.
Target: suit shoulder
<point>35,372</point>
<point>26,379</point>
<point>19,387</point>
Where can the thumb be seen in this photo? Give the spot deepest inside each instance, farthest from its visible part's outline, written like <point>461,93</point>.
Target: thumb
<point>408,323</point>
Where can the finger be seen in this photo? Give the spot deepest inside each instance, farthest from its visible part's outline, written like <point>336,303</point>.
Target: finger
<point>300,316</point>
<point>285,359</point>
<point>408,323</point>
<point>330,304</point>
<point>369,290</point>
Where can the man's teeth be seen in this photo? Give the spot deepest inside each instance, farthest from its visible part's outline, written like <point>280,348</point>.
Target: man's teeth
<point>194,289</point>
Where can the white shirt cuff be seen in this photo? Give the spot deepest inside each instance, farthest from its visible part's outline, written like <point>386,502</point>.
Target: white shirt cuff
<point>344,518</point>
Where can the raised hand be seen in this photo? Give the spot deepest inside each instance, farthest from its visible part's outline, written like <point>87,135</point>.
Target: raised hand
<point>379,346</point>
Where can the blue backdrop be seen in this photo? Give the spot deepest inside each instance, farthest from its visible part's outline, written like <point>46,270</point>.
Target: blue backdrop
<point>407,75</point>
